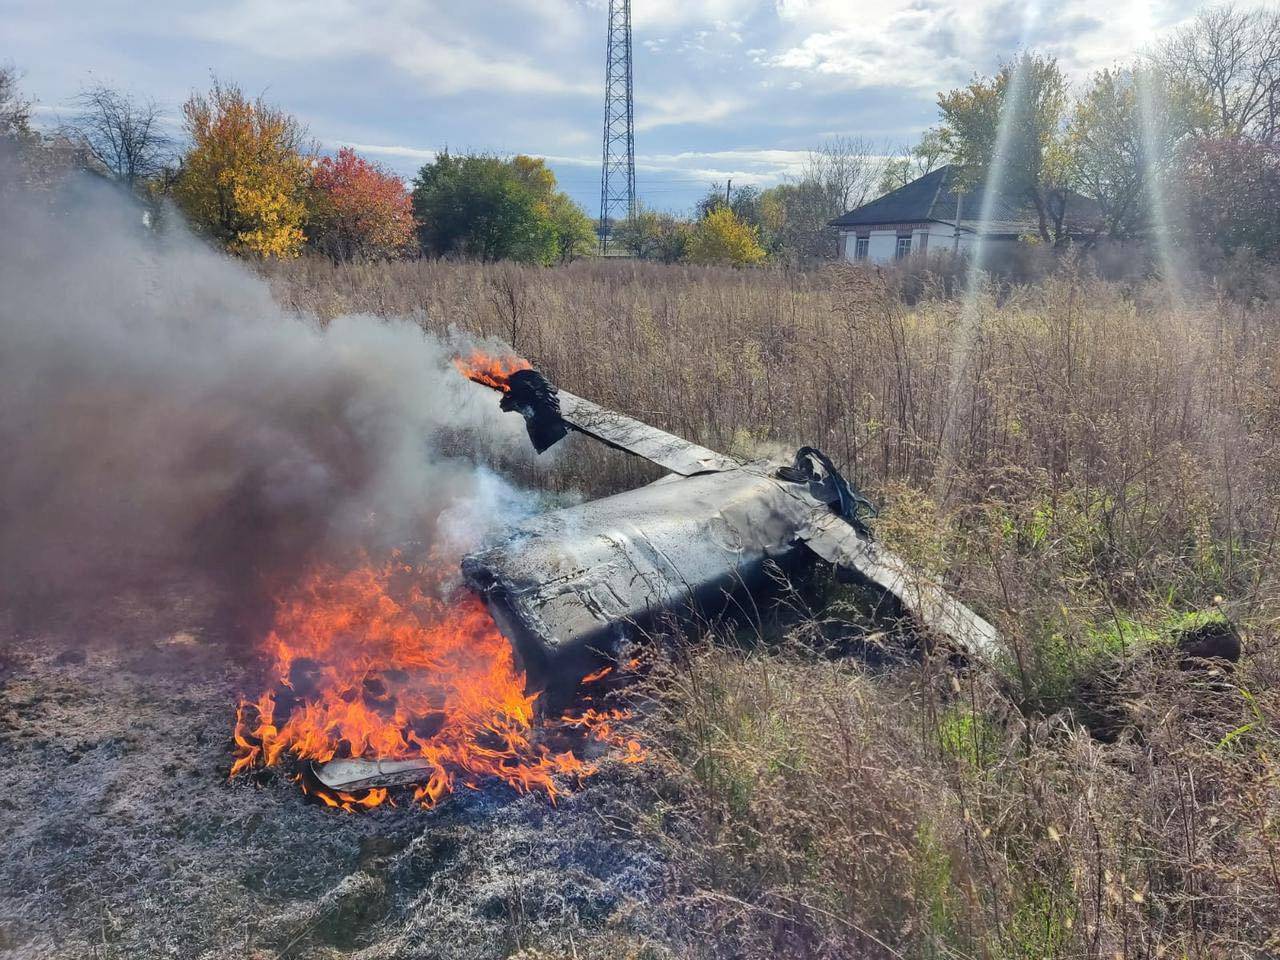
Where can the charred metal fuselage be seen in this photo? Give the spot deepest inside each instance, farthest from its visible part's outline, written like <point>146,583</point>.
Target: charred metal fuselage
<point>711,537</point>
<point>568,586</point>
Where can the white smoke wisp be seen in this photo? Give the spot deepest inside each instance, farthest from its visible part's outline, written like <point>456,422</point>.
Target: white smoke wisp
<point>158,410</point>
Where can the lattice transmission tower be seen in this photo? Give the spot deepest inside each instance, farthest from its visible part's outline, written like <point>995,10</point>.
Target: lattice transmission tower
<point>618,176</point>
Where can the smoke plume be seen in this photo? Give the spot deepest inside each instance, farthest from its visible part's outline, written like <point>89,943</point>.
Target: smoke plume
<point>158,410</point>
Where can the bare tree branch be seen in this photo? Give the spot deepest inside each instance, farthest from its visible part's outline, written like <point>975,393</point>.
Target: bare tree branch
<point>1231,57</point>
<point>849,170</point>
<point>121,133</point>
<point>15,110</point>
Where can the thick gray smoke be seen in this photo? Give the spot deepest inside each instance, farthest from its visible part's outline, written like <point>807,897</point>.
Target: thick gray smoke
<point>157,409</point>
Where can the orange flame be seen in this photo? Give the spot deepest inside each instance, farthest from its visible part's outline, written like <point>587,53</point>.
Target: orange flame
<point>368,664</point>
<point>490,371</point>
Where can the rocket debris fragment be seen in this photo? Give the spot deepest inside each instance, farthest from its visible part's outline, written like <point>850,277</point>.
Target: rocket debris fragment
<point>566,586</point>
<point>703,541</point>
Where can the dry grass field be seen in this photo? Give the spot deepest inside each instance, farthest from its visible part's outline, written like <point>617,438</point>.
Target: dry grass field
<point>1095,467</point>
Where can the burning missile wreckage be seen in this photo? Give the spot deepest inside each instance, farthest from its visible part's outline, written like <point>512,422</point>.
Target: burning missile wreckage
<point>570,589</point>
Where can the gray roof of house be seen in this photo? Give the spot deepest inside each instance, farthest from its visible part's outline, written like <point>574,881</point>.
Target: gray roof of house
<point>933,197</point>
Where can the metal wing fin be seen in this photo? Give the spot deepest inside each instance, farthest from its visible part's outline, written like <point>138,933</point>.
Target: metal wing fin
<point>835,541</point>
<point>623,433</point>
<point>550,412</point>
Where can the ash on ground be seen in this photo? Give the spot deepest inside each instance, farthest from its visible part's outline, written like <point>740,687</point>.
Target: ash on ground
<point>123,837</point>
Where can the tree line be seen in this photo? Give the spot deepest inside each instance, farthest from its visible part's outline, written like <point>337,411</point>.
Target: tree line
<point>248,178</point>
<point>1184,142</point>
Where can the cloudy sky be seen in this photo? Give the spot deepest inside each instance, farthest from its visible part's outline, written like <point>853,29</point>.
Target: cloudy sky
<point>725,89</point>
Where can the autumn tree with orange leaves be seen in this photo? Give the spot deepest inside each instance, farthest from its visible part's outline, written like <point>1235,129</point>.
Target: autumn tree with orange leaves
<point>357,210</point>
<point>244,179</point>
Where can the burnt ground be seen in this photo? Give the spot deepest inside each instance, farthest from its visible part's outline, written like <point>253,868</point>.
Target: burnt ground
<point>120,835</point>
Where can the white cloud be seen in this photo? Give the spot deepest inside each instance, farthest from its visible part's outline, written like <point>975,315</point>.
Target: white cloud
<point>380,150</point>
<point>928,44</point>
<point>685,107</point>
<point>446,51</point>
<point>653,14</point>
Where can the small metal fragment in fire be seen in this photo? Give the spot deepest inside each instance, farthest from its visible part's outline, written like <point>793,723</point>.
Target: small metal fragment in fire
<point>349,776</point>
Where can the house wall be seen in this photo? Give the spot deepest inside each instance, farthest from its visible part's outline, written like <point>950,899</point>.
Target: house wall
<point>883,241</point>
<point>925,238</point>
<point>883,246</point>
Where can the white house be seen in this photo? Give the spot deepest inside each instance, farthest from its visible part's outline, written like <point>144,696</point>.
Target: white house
<point>929,216</point>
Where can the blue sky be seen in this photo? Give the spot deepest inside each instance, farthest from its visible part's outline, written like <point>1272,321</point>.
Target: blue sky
<point>737,89</point>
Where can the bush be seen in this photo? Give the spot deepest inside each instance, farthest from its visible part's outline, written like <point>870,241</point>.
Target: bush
<point>722,238</point>
<point>357,210</point>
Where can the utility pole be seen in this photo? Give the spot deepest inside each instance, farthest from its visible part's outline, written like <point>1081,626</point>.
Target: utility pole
<point>618,174</point>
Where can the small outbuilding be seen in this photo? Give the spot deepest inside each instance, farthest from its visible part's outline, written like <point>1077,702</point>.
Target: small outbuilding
<point>930,215</point>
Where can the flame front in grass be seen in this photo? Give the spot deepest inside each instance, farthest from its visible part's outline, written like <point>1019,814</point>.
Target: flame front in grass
<point>490,371</point>
<point>367,664</point>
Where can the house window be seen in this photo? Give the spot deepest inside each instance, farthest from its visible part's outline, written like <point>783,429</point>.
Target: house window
<point>860,246</point>
<point>904,247</point>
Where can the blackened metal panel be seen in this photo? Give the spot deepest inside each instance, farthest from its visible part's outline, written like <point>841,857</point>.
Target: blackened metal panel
<point>570,584</point>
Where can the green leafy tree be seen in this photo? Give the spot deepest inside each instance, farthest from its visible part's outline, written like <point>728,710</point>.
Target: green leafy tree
<point>1029,96</point>
<point>1124,138</point>
<point>721,237</point>
<point>575,232</point>
<point>489,208</point>
<point>478,206</point>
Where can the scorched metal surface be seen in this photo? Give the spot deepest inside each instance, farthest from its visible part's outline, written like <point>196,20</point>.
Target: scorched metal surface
<point>566,587</point>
